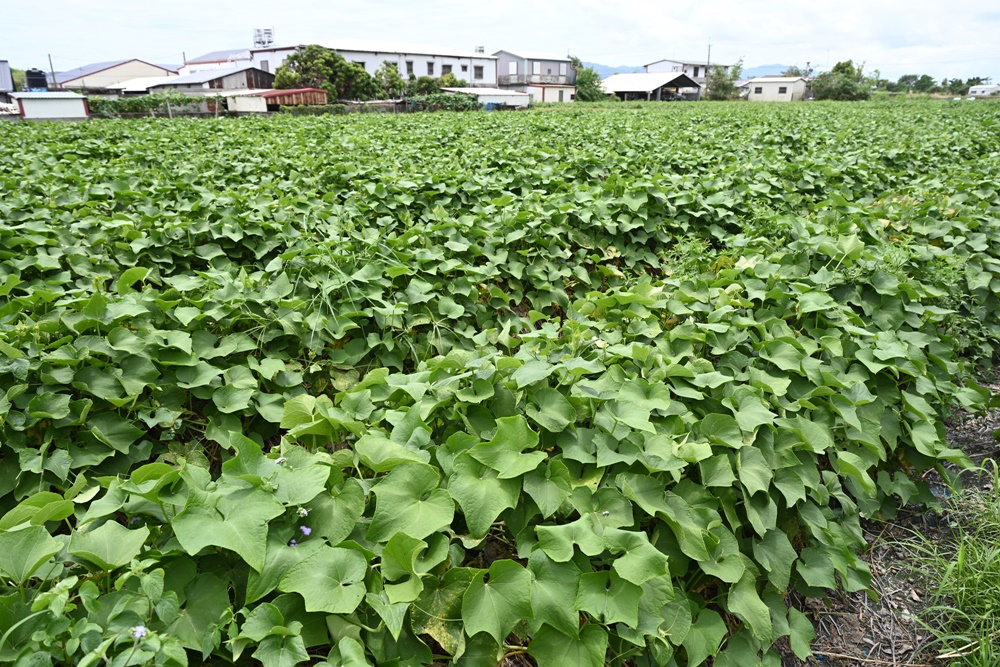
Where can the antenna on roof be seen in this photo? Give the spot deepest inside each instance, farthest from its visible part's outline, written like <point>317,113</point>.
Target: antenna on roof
<point>263,37</point>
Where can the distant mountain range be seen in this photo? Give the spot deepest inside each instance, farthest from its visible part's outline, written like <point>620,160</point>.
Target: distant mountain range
<point>748,72</point>
<point>606,70</point>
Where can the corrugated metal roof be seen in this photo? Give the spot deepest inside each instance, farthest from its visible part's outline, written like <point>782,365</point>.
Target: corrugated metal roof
<point>44,96</point>
<point>6,78</point>
<point>221,56</point>
<point>643,82</point>
<point>139,84</point>
<point>203,76</point>
<point>535,55</point>
<point>94,68</point>
<point>699,63</point>
<point>486,91</point>
<point>776,79</point>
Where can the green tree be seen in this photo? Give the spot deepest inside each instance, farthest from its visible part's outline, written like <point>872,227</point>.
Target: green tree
<point>924,84</point>
<point>18,76</point>
<point>795,70</point>
<point>388,80</point>
<point>721,84</point>
<point>843,82</point>
<point>906,82</point>
<point>588,83</point>
<point>424,85</point>
<point>449,80</point>
<point>319,67</point>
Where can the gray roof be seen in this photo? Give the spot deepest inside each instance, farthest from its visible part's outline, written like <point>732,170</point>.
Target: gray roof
<point>221,56</point>
<point>6,79</point>
<point>700,63</point>
<point>777,79</point>
<point>203,76</point>
<point>94,68</point>
<point>47,96</point>
<point>386,48</point>
<point>643,82</point>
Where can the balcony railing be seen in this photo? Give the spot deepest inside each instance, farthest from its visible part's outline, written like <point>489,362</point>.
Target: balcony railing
<point>519,79</point>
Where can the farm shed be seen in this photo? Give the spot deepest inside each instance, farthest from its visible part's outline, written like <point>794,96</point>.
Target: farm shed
<point>102,75</point>
<point>777,89</point>
<point>648,86</point>
<point>241,77</point>
<point>510,98</point>
<point>138,86</point>
<point>262,101</point>
<point>52,106</point>
<point>984,90</point>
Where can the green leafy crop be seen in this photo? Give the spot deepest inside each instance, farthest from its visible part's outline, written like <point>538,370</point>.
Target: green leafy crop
<point>594,388</point>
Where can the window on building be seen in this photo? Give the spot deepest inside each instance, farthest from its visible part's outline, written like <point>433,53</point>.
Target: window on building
<point>445,69</point>
<point>536,67</point>
<point>264,65</point>
<point>560,96</point>
<point>512,68</point>
<point>562,69</point>
<point>477,72</point>
<point>409,67</point>
<point>696,71</point>
<point>360,63</point>
<point>465,68</point>
<point>430,68</point>
<point>782,90</point>
<point>758,90</point>
<point>548,71</point>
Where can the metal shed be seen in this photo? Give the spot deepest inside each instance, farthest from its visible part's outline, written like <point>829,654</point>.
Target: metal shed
<point>657,86</point>
<point>295,97</point>
<point>52,106</point>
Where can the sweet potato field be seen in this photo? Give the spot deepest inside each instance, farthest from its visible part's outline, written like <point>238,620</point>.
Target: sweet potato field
<point>573,388</point>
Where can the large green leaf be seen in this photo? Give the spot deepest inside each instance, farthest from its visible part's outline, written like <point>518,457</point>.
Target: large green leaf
<point>109,546</point>
<point>23,551</point>
<point>551,648</point>
<point>409,500</point>
<point>332,580</point>
<point>495,606</point>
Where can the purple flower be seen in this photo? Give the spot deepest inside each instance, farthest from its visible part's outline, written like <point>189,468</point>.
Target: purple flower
<point>138,632</point>
<point>293,543</point>
<point>305,530</point>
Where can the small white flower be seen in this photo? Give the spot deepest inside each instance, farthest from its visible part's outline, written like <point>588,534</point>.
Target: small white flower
<point>303,512</point>
<point>280,460</point>
<point>138,632</point>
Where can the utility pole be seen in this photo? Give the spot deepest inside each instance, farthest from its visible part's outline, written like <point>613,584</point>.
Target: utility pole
<point>708,65</point>
<point>53,72</point>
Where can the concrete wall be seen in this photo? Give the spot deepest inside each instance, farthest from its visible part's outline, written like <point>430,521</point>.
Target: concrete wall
<point>372,61</point>
<point>541,93</point>
<point>769,91</point>
<point>117,74</point>
<point>247,104</point>
<point>54,109</point>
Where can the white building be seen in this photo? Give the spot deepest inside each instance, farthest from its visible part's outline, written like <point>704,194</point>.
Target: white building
<point>510,98</point>
<point>6,82</point>
<point>52,106</point>
<point>984,90</point>
<point>475,67</point>
<point>102,75</point>
<point>777,89</point>
<point>227,59</point>
<point>546,77</point>
<point>696,69</point>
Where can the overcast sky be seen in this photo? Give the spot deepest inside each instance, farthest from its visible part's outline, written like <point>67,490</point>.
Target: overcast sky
<point>954,39</point>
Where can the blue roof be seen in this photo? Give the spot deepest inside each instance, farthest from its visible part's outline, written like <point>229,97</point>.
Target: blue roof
<point>94,68</point>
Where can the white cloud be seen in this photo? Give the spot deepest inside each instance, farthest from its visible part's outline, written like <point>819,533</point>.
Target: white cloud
<point>895,36</point>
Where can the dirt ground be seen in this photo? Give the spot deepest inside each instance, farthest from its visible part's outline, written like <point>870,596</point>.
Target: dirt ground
<point>854,630</point>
